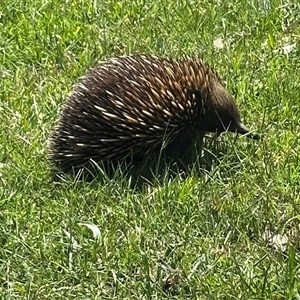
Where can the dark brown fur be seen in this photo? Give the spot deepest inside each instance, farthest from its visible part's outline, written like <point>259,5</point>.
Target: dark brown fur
<point>131,105</point>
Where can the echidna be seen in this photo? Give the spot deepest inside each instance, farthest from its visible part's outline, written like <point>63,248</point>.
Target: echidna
<point>132,105</point>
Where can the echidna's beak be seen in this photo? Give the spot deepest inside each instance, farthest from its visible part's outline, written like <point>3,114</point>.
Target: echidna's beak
<point>242,129</point>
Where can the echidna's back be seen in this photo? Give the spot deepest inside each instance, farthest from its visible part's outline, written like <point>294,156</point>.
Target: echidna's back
<point>124,107</point>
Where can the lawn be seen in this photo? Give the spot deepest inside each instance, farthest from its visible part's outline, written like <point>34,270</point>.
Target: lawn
<point>230,231</point>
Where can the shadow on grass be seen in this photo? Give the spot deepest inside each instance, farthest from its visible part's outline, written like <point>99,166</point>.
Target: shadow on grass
<point>173,161</point>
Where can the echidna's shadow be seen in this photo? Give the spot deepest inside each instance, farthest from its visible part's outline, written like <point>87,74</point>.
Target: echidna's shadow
<point>196,159</point>
<point>174,161</point>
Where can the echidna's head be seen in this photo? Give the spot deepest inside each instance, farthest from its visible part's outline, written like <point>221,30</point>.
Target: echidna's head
<point>222,114</point>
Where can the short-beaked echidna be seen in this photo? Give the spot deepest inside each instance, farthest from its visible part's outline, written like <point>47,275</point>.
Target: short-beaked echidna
<point>132,105</point>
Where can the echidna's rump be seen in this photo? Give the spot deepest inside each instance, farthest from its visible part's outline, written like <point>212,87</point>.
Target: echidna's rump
<point>130,105</point>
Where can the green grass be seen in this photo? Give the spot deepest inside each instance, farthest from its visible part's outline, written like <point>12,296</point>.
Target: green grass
<point>198,237</point>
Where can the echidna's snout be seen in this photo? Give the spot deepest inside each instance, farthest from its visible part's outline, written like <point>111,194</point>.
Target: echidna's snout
<point>242,129</point>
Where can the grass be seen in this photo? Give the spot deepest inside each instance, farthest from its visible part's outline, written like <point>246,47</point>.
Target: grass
<point>232,233</point>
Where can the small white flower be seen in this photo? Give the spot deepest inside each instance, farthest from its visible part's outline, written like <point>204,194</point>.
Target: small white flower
<point>288,48</point>
<point>218,43</point>
<point>278,241</point>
